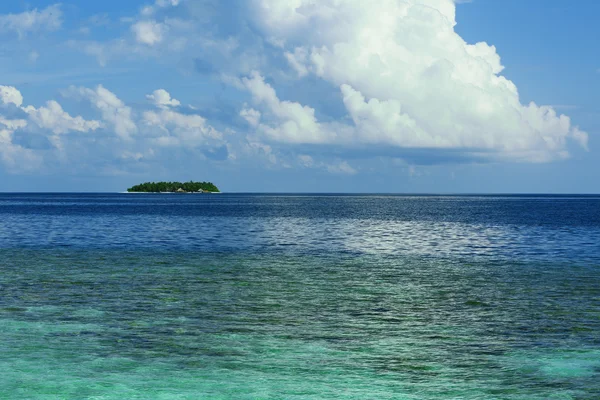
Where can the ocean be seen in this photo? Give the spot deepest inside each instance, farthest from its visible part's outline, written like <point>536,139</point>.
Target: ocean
<point>265,296</point>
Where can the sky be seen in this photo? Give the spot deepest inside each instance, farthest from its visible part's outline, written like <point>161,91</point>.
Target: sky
<point>393,96</point>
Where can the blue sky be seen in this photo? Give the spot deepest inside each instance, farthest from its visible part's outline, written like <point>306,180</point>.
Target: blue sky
<point>301,96</point>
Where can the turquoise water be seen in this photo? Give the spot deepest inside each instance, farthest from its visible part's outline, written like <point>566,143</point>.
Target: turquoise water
<point>362,315</point>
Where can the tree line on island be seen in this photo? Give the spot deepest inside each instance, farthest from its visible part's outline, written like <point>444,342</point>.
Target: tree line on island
<point>174,187</point>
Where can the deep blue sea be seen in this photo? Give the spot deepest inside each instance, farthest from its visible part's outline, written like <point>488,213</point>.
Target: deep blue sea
<point>250,296</point>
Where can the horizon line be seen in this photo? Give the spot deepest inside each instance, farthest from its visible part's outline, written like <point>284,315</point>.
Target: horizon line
<point>331,193</point>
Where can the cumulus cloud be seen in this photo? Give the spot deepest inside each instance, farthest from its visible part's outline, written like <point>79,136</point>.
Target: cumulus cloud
<point>58,121</point>
<point>262,150</point>
<point>10,95</point>
<point>251,115</point>
<point>334,78</point>
<point>31,136</point>
<point>162,99</point>
<point>149,32</point>
<point>15,157</point>
<point>50,118</point>
<point>12,124</point>
<point>297,60</point>
<point>113,110</point>
<point>174,128</point>
<point>407,80</point>
<point>294,123</point>
<point>48,19</point>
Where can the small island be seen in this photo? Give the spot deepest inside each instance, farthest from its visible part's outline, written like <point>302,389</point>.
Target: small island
<point>174,187</point>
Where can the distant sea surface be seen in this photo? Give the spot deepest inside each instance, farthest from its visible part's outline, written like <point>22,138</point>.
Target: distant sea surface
<point>243,296</point>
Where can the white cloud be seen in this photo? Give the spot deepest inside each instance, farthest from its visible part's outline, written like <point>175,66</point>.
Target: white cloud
<point>128,155</point>
<point>341,168</point>
<point>297,60</point>
<point>149,10</point>
<point>12,124</point>
<point>407,80</point>
<point>251,115</point>
<point>105,52</point>
<point>5,137</point>
<point>154,32</point>
<point>162,99</point>
<point>16,158</point>
<point>10,95</point>
<point>149,38</point>
<point>48,124</point>
<point>176,129</point>
<point>50,119</point>
<point>48,19</point>
<point>113,110</point>
<point>262,150</point>
<point>53,118</point>
<point>13,156</point>
<point>306,160</point>
<point>294,123</point>
<point>149,32</point>
<point>94,49</point>
<point>404,83</point>
<point>382,122</point>
<point>33,56</point>
<point>167,3</point>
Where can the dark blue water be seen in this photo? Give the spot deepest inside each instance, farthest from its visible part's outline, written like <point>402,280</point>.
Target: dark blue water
<point>181,296</point>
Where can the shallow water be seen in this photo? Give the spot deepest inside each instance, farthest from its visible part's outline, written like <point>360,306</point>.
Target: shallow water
<point>299,297</point>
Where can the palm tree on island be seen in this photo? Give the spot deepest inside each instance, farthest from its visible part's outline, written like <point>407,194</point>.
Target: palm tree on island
<point>174,187</point>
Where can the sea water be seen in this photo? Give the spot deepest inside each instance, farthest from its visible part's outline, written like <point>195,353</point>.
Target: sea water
<point>191,296</point>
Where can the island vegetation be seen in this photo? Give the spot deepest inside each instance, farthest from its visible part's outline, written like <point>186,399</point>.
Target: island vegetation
<point>175,187</point>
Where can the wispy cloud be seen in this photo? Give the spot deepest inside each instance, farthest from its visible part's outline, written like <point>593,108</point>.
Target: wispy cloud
<point>48,19</point>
